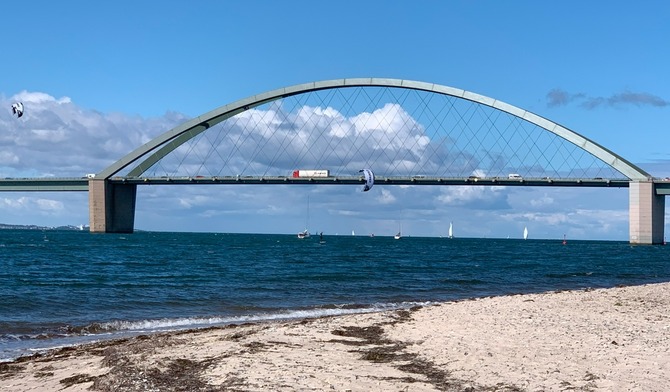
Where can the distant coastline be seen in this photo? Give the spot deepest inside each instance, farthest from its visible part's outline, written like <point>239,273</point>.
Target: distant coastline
<point>4,226</point>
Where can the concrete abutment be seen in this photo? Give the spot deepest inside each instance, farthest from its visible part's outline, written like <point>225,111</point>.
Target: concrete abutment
<point>111,206</point>
<point>647,214</point>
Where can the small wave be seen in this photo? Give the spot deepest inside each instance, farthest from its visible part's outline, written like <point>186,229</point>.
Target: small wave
<point>168,324</point>
<point>4,338</point>
<point>181,323</point>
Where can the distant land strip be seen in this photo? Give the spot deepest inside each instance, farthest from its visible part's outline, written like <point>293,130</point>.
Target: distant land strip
<point>4,226</point>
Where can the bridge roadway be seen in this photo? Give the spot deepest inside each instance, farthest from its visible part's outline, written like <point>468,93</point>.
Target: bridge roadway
<point>81,184</point>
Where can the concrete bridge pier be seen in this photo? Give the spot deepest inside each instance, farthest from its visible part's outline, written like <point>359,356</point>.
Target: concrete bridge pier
<point>647,214</point>
<point>111,206</point>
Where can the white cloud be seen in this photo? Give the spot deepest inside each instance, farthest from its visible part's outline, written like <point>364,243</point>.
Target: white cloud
<point>28,204</point>
<point>49,135</point>
<point>58,138</point>
<point>8,203</point>
<point>270,141</point>
<point>578,223</point>
<point>542,201</point>
<point>194,201</point>
<point>537,217</point>
<point>473,196</point>
<point>386,197</point>
<point>8,158</point>
<point>39,98</point>
<point>51,206</point>
<point>347,212</point>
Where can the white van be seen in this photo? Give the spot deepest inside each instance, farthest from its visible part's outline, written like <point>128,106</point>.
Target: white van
<point>514,176</point>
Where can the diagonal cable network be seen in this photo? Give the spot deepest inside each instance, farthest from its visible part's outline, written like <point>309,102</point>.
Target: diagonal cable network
<point>394,131</point>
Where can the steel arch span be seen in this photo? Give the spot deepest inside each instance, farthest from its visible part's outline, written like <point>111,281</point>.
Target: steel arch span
<point>150,153</point>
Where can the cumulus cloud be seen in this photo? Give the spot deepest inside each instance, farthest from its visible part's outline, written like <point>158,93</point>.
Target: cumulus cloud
<point>25,204</point>
<point>544,200</point>
<point>558,97</point>
<point>270,141</point>
<point>52,206</point>
<point>8,158</point>
<point>28,97</point>
<point>194,201</point>
<point>7,203</point>
<point>56,137</point>
<point>477,197</point>
<point>386,197</point>
<point>542,218</point>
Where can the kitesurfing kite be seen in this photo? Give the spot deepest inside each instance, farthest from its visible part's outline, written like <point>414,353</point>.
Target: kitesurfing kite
<point>17,108</point>
<point>369,179</point>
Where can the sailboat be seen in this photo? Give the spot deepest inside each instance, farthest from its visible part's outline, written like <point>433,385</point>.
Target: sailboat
<point>305,233</point>
<point>525,233</point>
<point>451,230</point>
<point>399,235</point>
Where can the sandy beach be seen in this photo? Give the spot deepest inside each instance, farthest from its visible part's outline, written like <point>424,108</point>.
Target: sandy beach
<point>589,340</point>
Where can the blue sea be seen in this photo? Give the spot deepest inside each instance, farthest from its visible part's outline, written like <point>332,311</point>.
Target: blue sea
<point>67,287</point>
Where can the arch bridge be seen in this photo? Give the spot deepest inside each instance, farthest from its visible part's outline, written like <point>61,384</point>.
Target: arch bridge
<point>407,132</point>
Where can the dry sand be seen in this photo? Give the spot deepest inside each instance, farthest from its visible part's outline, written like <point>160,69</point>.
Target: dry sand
<point>591,340</point>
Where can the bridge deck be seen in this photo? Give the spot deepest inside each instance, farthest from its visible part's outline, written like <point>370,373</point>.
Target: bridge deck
<point>52,184</point>
<point>81,184</point>
<point>356,180</point>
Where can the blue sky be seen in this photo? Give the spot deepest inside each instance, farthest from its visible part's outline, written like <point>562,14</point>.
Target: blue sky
<point>130,69</point>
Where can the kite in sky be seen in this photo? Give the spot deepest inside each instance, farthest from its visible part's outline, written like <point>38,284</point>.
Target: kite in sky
<point>369,179</point>
<point>17,108</point>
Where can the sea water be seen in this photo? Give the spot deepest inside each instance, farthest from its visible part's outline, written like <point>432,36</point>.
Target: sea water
<point>66,287</point>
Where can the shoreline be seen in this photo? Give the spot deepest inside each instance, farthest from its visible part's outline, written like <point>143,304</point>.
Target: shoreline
<point>615,339</point>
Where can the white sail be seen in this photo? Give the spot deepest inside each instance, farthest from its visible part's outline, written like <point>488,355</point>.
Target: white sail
<point>525,233</point>
<point>451,230</point>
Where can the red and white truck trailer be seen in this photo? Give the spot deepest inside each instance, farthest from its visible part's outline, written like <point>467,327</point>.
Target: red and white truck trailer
<point>320,173</point>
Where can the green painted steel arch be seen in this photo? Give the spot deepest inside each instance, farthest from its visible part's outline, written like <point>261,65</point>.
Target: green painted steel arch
<point>170,140</point>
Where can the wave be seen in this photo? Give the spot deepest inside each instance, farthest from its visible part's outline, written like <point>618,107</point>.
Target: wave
<point>13,346</point>
<point>119,327</point>
<point>194,322</point>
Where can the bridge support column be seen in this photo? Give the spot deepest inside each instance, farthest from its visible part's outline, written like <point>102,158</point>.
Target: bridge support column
<point>647,214</point>
<point>111,206</point>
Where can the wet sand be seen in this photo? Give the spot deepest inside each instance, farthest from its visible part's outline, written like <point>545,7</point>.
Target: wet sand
<point>589,340</point>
